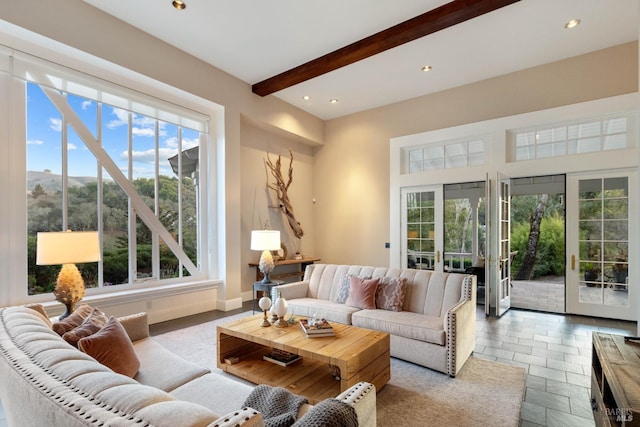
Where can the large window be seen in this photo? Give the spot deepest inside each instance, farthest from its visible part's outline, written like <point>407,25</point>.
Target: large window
<point>119,163</point>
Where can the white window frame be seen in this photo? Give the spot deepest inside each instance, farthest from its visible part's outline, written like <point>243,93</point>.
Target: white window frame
<point>13,66</point>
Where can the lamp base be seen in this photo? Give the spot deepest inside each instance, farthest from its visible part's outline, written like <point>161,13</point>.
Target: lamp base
<point>70,307</point>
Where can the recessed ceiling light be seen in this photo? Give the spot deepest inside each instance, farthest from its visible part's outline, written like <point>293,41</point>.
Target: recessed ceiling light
<point>333,101</point>
<point>426,68</point>
<point>572,24</point>
<point>306,97</point>
<point>179,4</point>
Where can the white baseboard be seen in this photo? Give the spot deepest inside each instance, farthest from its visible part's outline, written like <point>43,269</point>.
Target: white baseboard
<point>228,305</point>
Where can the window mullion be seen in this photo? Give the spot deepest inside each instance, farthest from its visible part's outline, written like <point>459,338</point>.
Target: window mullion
<point>132,231</point>
<point>65,174</point>
<point>180,196</point>
<point>100,196</point>
<point>155,240</point>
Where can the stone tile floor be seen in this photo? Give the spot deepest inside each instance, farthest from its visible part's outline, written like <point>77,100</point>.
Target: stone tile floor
<point>554,349</point>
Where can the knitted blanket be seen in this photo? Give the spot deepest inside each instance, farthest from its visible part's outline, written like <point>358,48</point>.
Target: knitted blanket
<point>329,413</point>
<point>279,407</point>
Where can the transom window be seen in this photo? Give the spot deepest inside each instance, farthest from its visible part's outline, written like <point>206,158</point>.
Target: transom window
<point>569,139</point>
<point>443,156</point>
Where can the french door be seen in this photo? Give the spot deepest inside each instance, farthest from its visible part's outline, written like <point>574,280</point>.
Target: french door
<point>600,242</point>
<point>498,300</point>
<point>421,230</point>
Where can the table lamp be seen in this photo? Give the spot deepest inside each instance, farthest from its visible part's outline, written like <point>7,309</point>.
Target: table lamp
<point>68,248</point>
<point>265,241</point>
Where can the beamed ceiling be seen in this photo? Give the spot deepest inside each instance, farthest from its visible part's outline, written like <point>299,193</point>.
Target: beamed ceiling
<point>369,53</point>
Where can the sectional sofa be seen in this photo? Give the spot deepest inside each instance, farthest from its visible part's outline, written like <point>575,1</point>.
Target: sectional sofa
<point>430,316</point>
<point>45,381</point>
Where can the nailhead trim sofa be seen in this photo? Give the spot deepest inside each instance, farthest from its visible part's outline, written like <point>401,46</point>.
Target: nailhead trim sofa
<point>435,329</point>
<point>47,382</point>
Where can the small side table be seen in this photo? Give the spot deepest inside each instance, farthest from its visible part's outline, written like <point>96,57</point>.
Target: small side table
<point>265,288</point>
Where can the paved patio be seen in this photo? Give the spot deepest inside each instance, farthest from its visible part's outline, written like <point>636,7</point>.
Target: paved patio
<point>548,295</point>
<point>543,295</point>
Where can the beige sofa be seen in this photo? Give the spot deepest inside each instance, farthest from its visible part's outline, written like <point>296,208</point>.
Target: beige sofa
<point>435,329</point>
<point>47,382</point>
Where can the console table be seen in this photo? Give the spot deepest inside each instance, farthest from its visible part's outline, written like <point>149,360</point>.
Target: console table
<point>299,273</point>
<point>615,380</point>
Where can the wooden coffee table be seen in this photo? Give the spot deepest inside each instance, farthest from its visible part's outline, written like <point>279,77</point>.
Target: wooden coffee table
<point>329,365</point>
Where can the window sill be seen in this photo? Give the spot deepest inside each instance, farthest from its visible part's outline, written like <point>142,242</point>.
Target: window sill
<point>137,295</point>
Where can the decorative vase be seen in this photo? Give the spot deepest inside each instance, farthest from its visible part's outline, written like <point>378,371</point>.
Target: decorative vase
<point>281,306</point>
<point>272,311</point>
<point>265,304</point>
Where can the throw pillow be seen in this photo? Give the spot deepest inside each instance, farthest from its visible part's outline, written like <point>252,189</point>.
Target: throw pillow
<point>362,293</point>
<point>112,347</point>
<point>343,289</point>
<point>40,309</point>
<point>92,324</point>
<point>391,292</point>
<point>73,320</point>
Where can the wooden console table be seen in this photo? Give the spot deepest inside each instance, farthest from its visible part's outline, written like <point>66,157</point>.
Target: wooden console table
<point>299,273</point>
<point>615,380</point>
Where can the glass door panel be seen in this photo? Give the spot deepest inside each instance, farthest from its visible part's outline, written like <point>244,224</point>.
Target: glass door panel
<point>422,220</point>
<point>600,275</point>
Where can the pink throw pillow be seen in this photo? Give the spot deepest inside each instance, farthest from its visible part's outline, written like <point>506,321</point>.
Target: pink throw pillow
<point>362,293</point>
<point>112,347</point>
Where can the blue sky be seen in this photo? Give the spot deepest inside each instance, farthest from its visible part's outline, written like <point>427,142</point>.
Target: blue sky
<point>45,136</point>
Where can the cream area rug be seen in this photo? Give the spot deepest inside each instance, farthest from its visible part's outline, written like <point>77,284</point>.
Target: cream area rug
<point>484,393</point>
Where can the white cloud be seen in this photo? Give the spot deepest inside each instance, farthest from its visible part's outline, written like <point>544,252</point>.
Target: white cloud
<point>186,142</point>
<point>71,146</point>
<point>35,142</point>
<point>143,131</point>
<point>149,156</point>
<point>55,124</point>
<point>86,104</point>
<point>141,125</point>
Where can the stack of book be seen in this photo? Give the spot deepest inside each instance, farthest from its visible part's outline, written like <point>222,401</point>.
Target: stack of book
<point>320,328</point>
<point>281,357</point>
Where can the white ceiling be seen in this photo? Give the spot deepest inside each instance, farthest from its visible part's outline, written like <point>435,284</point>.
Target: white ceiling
<point>254,40</point>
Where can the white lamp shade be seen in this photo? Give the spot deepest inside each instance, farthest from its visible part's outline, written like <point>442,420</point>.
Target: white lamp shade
<point>265,240</point>
<point>67,247</point>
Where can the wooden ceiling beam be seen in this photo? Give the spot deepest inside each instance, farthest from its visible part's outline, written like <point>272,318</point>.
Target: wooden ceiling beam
<point>430,22</point>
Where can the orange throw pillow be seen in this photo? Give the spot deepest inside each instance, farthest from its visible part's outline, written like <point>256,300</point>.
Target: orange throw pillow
<point>362,293</point>
<point>112,347</point>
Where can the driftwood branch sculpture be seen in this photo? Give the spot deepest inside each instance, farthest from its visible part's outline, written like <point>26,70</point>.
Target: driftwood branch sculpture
<point>281,187</point>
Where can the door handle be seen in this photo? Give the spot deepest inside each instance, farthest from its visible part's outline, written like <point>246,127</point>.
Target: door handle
<point>573,262</point>
<point>438,256</point>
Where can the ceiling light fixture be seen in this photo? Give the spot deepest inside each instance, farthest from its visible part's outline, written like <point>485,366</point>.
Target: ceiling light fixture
<point>306,97</point>
<point>572,24</point>
<point>179,4</point>
<point>333,101</point>
<point>427,68</point>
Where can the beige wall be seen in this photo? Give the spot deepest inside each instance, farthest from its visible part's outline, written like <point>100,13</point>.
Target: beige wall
<point>258,202</point>
<point>352,167</point>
